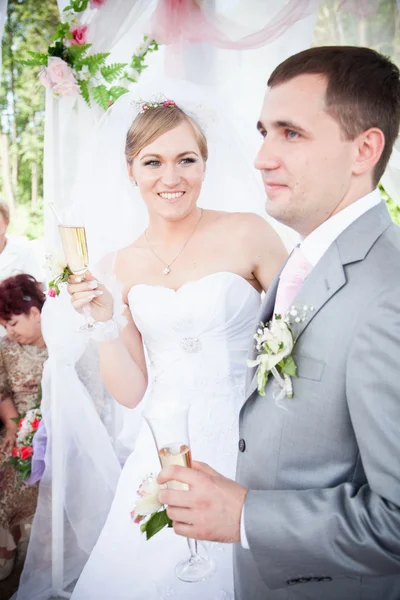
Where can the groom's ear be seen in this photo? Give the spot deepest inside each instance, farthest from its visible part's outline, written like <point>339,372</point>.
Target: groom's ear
<point>369,146</point>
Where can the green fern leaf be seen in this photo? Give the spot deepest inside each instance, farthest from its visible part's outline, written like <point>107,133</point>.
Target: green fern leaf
<point>84,87</point>
<point>101,95</point>
<point>116,91</point>
<point>95,61</point>
<point>113,71</point>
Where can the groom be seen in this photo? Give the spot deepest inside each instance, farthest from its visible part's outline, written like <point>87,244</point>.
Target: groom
<point>315,512</point>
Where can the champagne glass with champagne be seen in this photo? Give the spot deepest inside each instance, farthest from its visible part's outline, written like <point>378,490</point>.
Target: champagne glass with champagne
<point>73,239</point>
<point>169,427</point>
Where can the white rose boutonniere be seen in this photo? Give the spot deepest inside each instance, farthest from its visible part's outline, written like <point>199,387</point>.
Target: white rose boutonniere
<point>149,512</point>
<point>274,345</point>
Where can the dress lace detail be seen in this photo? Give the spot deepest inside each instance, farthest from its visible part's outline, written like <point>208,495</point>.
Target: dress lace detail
<point>196,341</point>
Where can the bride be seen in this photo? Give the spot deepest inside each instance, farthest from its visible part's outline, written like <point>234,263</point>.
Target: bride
<point>191,292</point>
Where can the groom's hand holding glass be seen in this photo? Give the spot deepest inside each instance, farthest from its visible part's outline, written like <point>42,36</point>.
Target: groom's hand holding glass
<point>212,507</point>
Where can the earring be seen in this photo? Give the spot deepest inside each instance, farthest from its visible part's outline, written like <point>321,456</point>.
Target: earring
<point>134,183</point>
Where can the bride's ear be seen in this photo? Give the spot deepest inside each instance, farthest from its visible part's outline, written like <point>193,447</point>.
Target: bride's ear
<point>129,166</point>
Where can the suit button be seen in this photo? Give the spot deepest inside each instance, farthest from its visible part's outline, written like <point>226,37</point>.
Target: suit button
<point>242,445</point>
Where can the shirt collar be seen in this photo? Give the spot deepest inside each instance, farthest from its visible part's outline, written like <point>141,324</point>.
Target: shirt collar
<point>318,241</point>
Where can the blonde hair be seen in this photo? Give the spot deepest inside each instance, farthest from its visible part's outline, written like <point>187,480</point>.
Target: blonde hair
<point>153,122</point>
<point>5,212</point>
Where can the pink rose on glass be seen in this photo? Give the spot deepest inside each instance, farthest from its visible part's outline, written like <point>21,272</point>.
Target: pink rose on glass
<point>79,34</point>
<point>96,3</point>
<point>59,77</point>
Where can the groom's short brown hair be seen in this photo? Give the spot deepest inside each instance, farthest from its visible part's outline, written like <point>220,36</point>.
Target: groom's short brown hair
<point>363,90</point>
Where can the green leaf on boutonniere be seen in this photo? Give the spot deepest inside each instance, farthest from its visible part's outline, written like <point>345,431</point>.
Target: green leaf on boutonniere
<point>157,521</point>
<point>289,367</point>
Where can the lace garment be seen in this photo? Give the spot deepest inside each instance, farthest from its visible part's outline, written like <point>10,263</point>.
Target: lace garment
<point>196,341</point>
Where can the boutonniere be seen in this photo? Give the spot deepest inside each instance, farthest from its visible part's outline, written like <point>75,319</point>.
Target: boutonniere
<point>57,270</point>
<point>274,345</point>
<point>149,512</point>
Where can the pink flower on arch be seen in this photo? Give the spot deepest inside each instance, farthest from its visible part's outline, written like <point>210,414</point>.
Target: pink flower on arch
<point>79,34</point>
<point>59,77</point>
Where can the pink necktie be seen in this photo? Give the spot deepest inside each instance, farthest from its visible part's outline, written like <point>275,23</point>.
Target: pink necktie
<point>290,281</point>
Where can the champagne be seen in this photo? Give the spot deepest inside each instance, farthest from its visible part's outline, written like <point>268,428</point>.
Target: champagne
<point>176,454</point>
<point>75,248</point>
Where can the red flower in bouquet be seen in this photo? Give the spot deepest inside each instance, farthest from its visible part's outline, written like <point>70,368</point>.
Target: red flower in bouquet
<point>35,423</point>
<point>26,452</point>
<point>15,452</point>
<point>20,423</point>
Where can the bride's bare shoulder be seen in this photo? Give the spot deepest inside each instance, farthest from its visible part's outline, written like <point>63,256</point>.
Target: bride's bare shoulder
<point>239,221</point>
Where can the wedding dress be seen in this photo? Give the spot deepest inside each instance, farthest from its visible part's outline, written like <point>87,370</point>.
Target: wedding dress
<point>196,339</point>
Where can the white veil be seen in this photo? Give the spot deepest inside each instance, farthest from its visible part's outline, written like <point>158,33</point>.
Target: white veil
<point>88,420</point>
<point>112,209</point>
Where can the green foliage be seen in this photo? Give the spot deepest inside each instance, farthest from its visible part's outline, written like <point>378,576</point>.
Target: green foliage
<point>61,278</point>
<point>394,209</point>
<point>116,91</point>
<point>75,54</point>
<point>101,95</point>
<point>157,521</point>
<point>58,49</point>
<point>113,71</point>
<point>84,87</point>
<point>28,221</point>
<point>94,61</point>
<point>62,31</point>
<point>77,5</point>
<point>37,59</point>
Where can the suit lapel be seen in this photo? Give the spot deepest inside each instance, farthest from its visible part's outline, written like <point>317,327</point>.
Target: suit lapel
<point>264,315</point>
<point>328,276</point>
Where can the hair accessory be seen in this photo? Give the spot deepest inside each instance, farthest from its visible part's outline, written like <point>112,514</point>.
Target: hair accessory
<point>150,105</point>
<point>143,106</point>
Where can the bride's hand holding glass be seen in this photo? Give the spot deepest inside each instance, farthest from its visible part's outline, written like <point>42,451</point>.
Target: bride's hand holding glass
<point>91,293</point>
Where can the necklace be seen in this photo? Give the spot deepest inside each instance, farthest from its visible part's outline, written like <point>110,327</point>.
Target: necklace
<point>167,267</point>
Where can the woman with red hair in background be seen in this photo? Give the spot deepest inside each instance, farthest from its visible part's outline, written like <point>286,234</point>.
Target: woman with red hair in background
<point>22,354</point>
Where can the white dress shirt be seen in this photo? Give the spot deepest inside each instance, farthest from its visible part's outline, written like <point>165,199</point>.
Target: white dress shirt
<point>314,247</point>
<point>19,257</point>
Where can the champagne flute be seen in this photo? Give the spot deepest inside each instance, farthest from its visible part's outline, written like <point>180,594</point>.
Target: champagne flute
<point>75,248</point>
<point>170,433</point>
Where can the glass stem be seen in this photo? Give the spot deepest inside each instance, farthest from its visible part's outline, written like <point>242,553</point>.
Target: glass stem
<point>192,547</point>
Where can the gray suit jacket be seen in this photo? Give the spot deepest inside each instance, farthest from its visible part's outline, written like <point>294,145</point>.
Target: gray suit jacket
<point>323,512</point>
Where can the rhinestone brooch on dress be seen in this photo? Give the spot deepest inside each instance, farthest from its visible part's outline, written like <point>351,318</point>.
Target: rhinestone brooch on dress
<point>190,345</point>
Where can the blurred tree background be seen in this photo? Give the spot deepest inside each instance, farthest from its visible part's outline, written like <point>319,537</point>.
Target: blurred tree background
<point>30,25</point>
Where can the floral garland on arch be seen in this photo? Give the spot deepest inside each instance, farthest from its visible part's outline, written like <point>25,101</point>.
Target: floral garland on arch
<point>68,69</point>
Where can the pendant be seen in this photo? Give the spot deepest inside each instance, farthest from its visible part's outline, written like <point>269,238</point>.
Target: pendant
<point>166,270</point>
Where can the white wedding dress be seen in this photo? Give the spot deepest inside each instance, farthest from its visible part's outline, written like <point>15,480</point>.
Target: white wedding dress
<point>196,341</point>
